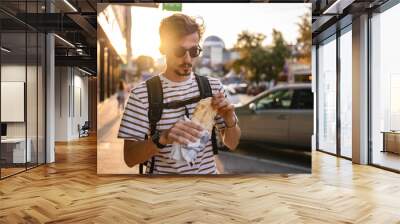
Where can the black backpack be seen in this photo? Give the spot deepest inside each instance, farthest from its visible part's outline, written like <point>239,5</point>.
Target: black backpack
<point>156,106</point>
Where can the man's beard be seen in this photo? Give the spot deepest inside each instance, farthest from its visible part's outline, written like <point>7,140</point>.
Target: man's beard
<point>185,65</point>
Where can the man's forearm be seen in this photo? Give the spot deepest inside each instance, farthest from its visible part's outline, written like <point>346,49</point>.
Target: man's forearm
<point>136,152</point>
<point>231,137</point>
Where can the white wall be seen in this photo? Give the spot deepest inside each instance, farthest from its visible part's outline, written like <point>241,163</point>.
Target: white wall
<point>12,73</point>
<point>33,126</point>
<point>61,103</point>
<point>79,112</point>
<point>71,93</point>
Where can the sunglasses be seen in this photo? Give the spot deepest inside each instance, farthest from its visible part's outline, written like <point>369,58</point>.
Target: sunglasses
<point>193,51</point>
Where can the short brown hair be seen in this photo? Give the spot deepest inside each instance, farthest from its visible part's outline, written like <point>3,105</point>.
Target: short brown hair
<point>177,26</point>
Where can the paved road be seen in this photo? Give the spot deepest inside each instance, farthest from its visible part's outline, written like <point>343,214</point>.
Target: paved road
<point>264,158</point>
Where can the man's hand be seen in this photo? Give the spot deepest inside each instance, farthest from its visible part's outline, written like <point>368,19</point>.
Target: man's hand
<point>181,132</point>
<point>224,108</point>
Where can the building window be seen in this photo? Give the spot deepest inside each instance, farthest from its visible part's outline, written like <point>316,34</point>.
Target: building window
<point>22,101</point>
<point>346,92</point>
<point>327,95</point>
<point>385,89</point>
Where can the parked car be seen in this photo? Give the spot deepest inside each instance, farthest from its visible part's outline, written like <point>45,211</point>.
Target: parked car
<point>282,115</point>
<point>239,87</point>
<point>254,90</point>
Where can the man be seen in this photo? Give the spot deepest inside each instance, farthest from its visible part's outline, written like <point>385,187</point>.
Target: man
<point>180,36</point>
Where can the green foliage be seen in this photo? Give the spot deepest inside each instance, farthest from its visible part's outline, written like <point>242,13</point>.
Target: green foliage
<point>304,41</point>
<point>247,40</point>
<point>259,62</point>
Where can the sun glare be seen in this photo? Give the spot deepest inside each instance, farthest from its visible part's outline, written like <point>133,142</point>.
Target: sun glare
<point>145,39</point>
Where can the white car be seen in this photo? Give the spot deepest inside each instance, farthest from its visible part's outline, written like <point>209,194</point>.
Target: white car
<point>282,115</point>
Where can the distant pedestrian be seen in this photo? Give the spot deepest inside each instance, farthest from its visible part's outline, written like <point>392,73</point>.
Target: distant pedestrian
<point>121,96</point>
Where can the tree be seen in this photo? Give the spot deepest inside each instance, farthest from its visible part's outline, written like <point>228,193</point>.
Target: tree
<point>304,41</point>
<point>260,62</point>
<point>247,40</point>
<point>279,53</point>
<point>252,54</point>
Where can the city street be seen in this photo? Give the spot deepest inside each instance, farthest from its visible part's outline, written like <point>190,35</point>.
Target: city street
<point>110,153</point>
<point>264,158</point>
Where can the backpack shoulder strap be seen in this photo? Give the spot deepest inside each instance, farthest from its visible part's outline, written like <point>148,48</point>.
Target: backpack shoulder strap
<point>214,141</point>
<point>155,98</point>
<point>204,86</point>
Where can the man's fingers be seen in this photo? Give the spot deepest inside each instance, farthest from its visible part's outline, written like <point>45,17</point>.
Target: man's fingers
<point>185,134</point>
<point>222,104</point>
<point>187,130</point>
<point>226,108</point>
<point>216,102</point>
<point>218,97</point>
<point>189,125</point>
<point>197,127</point>
<point>175,138</point>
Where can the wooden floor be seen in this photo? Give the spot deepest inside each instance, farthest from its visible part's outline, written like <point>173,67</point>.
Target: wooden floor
<point>10,171</point>
<point>387,159</point>
<point>70,191</point>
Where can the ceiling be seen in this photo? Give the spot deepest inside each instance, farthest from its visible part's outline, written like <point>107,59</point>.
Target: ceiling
<point>76,22</point>
<point>72,20</point>
<point>326,14</point>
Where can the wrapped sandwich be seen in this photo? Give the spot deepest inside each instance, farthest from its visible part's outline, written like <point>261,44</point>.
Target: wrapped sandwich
<point>203,115</point>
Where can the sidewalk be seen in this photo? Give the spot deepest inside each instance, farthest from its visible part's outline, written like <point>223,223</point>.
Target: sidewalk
<point>110,153</point>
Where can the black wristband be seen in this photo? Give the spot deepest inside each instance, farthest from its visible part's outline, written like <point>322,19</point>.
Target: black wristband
<point>155,138</point>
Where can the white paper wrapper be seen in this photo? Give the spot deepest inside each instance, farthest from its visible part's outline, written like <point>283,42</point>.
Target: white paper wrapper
<point>188,154</point>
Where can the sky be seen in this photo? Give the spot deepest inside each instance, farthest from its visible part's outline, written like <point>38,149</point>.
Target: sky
<point>225,20</point>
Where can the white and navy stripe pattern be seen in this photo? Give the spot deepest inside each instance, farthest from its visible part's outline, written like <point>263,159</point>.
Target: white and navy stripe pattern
<point>135,123</point>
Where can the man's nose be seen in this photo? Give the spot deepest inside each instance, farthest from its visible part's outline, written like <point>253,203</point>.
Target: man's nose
<point>187,57</point>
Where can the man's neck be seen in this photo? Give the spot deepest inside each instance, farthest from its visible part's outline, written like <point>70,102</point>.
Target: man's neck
<point>171,75</point>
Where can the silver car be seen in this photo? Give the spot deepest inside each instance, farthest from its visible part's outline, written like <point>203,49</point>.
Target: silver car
<point>282,115</point>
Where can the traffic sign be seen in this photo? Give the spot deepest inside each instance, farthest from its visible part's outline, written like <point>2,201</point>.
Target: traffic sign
<point>172,7</point>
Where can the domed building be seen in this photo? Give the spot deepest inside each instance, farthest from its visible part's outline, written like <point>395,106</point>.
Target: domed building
<point>213,57</point>
<point>214,40</point>
<point>212,44</point>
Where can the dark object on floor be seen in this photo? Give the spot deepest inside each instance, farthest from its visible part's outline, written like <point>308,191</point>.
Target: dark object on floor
<point>84,130</point>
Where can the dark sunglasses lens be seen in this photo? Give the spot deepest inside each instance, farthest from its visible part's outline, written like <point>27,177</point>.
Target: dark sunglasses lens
<point>194,52</point>
<point>180,52</point>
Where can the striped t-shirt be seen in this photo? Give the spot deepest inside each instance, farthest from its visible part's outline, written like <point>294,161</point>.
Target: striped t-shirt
<point>135,123</point>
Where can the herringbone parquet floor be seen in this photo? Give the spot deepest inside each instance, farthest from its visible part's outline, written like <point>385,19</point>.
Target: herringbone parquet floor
<point>70,191</point>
